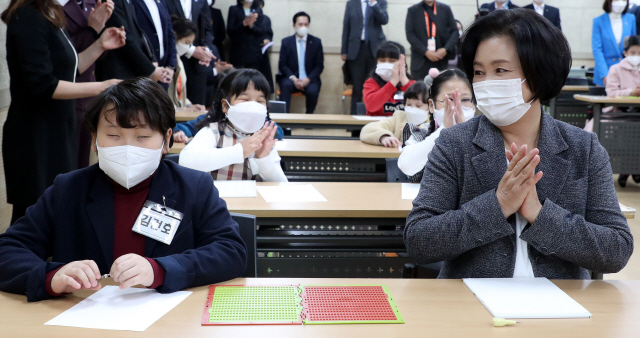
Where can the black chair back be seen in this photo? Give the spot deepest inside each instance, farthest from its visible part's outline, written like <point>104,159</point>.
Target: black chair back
<point>597,90</point>
<point>247,225</point>
<point>277,107</point>
<point>394,174</point>
<point>361,109</point>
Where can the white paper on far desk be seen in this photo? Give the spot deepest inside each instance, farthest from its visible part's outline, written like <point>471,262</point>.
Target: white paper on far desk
<point>626,209</point>
<point>291,194</point>
<point>369,118</point>
<point>110,308</point>
<point>410,191</point>
<point>525,298</point>
<point>233,188</point>
<point>265,47</point>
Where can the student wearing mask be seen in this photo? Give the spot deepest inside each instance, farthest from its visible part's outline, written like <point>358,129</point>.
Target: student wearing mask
<point>551,13</point>
<point>184,32</point>
<point>514,192</point>
<point>235,142</point>
<point>39,136</point>
<point>609,31</point>
<point>388,132</point>
<point>384,90</point>
<point>301,63</point>
<point>92,221</point>
<point>499,4</point>
<point>624,80</point>
<point>361,37</point>
<point>450,103</point>
<point>432,32</point>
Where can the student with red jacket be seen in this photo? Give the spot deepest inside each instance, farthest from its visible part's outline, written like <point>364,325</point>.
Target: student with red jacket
<point>384,90</point>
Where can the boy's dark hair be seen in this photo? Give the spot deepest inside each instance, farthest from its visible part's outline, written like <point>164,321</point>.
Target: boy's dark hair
<point>544,53</point>
<point>606,6</point>
<point>299,14</point>
<point>128,100</point>
<point>183,27</point>
<point>630,41</point>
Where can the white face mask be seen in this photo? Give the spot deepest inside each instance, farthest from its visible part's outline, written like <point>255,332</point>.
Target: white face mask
<point>415,115</point>
<point>302,31</point>
<point>438,115</point>
<point>182,48</point>
<point>248,117</point>
<point>634,60</point>
<point>384,70</point>
<point>128,165</point>
<point>618,6</point>
<point>501,101</point>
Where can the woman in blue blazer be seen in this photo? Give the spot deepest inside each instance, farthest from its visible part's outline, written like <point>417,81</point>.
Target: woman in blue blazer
<point>84,222</point>
<point>607,51</point>
<point>513,192</point>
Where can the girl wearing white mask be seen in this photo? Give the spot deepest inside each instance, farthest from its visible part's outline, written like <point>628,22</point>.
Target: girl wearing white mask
<point>185,32</point>
<point>609,31</point>
<point>450,103</point>
<point>383,92</point>
<point>484,207</point>
<point>388,132</point>
<point>235,142</point>
<point>95,221</point>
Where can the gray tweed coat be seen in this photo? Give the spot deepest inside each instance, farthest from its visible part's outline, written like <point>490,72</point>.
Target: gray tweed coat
<point>456,217</point>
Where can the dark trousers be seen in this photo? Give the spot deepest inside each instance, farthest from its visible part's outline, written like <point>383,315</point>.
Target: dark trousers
<point>360,69</point>
<point>196,81</point>
<point>420,73</point>
<point>311,92</point>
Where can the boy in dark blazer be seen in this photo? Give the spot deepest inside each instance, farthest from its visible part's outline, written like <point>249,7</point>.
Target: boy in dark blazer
<point>551,13</point>
<point>84,222</point>
<point>303,78</point>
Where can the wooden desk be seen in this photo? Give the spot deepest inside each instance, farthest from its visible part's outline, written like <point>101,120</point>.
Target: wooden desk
<point>629,214</point>
<point>187,116</point>
<point>431,308</point>
<point>320,121</point>
<point>570,88</point>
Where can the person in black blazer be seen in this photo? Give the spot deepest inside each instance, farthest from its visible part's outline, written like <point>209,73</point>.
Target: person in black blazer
<point>442,29</point>
<point>219,29</point>
<point>136,58</point>
<point>247,31</point>
<point>84,221</point>
<point>166,59</point>
<point>499,4</point>
<point>301,79</point>
<point>361,36</point>
<point>197,60</point>
<point>551,13</point>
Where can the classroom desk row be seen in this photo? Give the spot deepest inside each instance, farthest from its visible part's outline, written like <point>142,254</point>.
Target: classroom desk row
<point>430,308</point>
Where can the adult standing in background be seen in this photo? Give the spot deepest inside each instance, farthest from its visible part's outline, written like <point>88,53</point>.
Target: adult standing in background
<point>551,13</point>
<point>39,136</point>
<point>609,31</point>
<point>433,34</point>
<point>218,27</point>
<point>155,21</point>
<point>265,63</point>
<point>361,36</point>
<point>247,32</point>
<point>498,4</point>
<point>199,56</point>
<point>301,63</point>
<point>84,21</point>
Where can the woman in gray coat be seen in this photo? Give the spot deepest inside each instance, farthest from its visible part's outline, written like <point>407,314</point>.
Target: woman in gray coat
<point>513,192</point>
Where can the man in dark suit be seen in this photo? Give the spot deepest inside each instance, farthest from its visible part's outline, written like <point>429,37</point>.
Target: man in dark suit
<point>361,36</point>
<point>551,13</point>
<point>635,10</point>
<point>196,61</point>
<point>154,20</point>
<point>433,44</point>
<point>219,28</point>
<point>498,4</point>
<point>136,57</point>
<point>301,63</point>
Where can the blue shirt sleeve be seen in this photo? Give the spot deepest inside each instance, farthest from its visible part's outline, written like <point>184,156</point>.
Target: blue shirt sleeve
<point>189,128</point>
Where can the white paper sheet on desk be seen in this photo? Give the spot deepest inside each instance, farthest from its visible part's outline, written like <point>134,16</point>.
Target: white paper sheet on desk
<point>525,298</point>
<point>265,47</point>
<point>110,308</point>
<point>626,208</point>
<point>410,191</point>
<point>291,194</point>
<point>233,188</point>
<point>369,118</point>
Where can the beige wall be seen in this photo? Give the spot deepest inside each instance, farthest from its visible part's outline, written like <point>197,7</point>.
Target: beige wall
<point>4,72</point>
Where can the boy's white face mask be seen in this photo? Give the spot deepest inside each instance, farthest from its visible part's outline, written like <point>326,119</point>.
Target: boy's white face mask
<point>128,165</point>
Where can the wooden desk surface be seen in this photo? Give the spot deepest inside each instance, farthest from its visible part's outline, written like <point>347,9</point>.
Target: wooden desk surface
<point>188,116</point>
<point>570,88</point>
<point>350,200</point>
<point>431,308</point>
<point>324,148</point>
<point>606,99</point>
<point>337,119</point>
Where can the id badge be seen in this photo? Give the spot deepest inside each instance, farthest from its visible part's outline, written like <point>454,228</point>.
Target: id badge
<point>431,44</point>
<point>158,222</point>
<point>399,96</point>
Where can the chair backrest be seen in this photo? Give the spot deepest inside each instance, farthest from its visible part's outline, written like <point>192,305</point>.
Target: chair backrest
<point>597,90</point>
<point>277,107</point>
<point>172,157</point>
<point>361,109</point>
<point>577,81</point>
<point>394,174</point>
<point>247,225</point>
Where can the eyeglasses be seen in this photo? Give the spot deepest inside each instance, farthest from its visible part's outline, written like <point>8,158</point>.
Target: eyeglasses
<point>464,102</point>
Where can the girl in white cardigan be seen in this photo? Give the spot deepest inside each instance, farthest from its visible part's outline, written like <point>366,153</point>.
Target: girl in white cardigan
<point>451,101</point>
<point>235,142</point>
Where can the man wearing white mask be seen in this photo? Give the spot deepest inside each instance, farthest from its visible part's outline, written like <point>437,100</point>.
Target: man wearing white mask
<point>499,4</point>
<point>551,13</point>
<point>301,63</point>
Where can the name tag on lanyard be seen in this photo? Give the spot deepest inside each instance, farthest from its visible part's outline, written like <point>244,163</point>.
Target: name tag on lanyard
<point>158,222</point>
<point>431,31</point>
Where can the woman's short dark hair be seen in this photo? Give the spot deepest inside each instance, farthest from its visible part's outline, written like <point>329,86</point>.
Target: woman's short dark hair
<point>545,54</point>
<point>417,91</point>
<point>128,100</point>
<point>299,14</point>
<point>233,84</point>
<point>606,6</point>
<point>183,27</point>
<point>630,41</point>
<point>390,49</point>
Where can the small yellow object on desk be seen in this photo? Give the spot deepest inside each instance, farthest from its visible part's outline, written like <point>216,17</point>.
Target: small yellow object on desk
<point>497,322</point>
